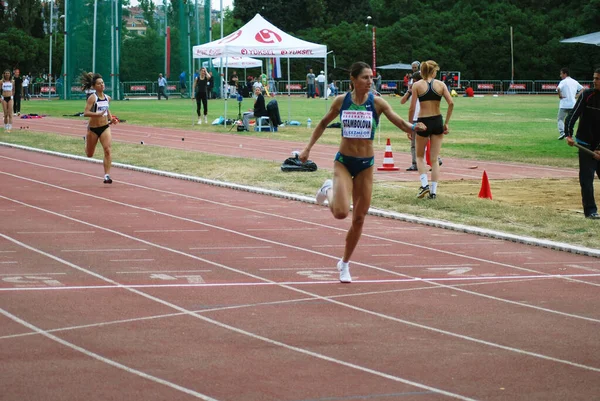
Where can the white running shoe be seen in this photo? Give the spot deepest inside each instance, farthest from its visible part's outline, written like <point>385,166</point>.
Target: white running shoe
<point>344,272</point>
<point>199,121</point>
<point>322,193</point>
<point>206,119</point>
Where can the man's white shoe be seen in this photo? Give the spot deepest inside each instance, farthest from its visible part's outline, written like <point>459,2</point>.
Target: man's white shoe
<point>344,272</point>
<point>199,121</point>
<point>322,193</point>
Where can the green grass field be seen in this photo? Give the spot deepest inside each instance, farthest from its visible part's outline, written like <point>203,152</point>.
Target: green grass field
<point>505,128</point>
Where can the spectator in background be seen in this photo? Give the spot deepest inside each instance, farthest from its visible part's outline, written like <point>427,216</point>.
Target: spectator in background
<point>321,82</point>
<point>333,88</point>
<point>469,92</point>
<point>377,82</point>
<point>211,86</point>
<point>162,85</point>
<point>182,85</point>
<point>405,82</point>
<point>310,84</point>
<point>568,89</point>
<point>416,77</point>
<point>587,110</point>
<point>201,94</point>
<point>18,92</point>
<point>233,83</point>
<point>26,95</point>
<point>260,109</point>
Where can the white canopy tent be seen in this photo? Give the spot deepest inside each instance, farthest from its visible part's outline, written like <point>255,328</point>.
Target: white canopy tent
<point>260,38</point>
<point>398,66</point>
<point>589,39</point>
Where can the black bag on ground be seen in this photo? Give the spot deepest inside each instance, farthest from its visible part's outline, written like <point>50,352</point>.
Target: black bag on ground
<point>294,164</point>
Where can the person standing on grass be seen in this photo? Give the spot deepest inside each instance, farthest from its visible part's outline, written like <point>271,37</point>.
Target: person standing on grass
<point>429,92</point>
<point>8,93</point>
<point>162,86</point>
<point>568,89</point>
<point>416,77</point>
<point>359,112</point>
<point>96,108</point>
<point>200,88</point>
<point>18,92</point>
<point>310,84</point>
<point>587,111</point>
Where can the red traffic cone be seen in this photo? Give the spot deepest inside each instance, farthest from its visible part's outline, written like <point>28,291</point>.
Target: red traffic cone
<point>428,153</point>
<point>388,159</point>
<point>485,192</point>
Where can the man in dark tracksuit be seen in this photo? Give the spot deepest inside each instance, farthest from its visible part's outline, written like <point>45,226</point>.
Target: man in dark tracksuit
<point>587,110</point>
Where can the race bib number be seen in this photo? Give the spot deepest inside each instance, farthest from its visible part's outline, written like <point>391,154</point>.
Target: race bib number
<point>357,124</point>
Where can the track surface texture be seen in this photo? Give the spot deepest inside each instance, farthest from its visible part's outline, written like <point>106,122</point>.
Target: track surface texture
<point>154,288</point>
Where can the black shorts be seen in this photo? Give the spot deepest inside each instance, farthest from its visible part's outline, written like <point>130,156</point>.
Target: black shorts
<point>355,165</point>
<point>435,126</point>
<point>7,98</point>
<point>98,130</point>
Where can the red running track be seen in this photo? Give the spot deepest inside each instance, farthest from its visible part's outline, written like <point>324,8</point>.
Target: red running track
<point>272,149</point>
<point>160,289</point>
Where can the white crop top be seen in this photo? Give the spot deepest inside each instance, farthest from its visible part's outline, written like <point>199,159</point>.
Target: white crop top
<point>7,86</point>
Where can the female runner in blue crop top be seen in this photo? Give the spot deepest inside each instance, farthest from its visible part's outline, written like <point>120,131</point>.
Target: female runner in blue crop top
<point>359,112</point>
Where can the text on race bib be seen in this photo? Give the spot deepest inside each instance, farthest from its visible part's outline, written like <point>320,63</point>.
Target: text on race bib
<point>357,124</point>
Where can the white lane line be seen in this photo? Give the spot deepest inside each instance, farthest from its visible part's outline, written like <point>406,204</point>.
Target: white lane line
<point>212,321</point>
<point>265,257</point>
<point>444,265</point>
<point>106,360</point>
<point>593,262</point>
<point>228,247</point>
<point>267,282</point>
<point>8,251</point>
<point>240,306</point>
<point>55,232</point>
<point>132,260</point>
<point>586,268</point>
<point>166,271</point>
<point>9,263</point>
<point>281,229</point>
<point>297,268</point>
<point>31,274</point>
<point>170,231</point>
<point>342,245</point>
<point>392,254</point>
<point>105,250</point>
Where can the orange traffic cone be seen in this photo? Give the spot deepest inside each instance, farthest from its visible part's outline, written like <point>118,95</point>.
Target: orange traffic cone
<point>428,153</point>
<point>388,159</point>
<point>485,192</point>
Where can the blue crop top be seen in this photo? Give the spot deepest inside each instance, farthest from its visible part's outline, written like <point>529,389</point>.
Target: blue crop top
<point>358,121</point>
<point>431,94</point>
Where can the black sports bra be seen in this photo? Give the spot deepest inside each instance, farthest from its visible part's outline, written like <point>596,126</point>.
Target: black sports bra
<point>431,94</point>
